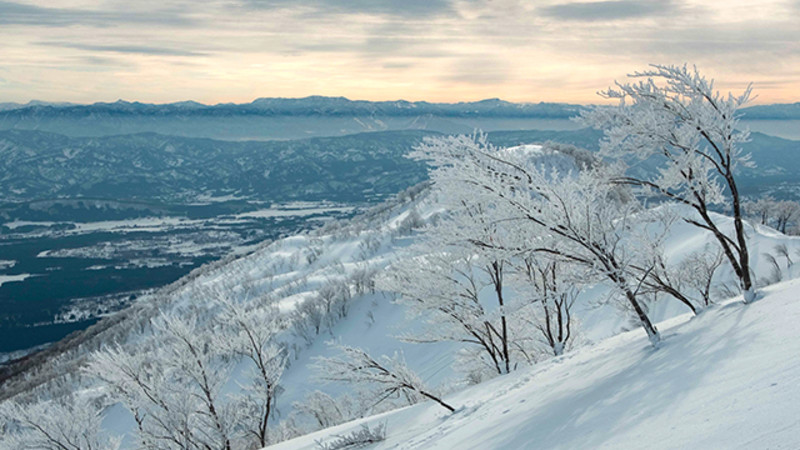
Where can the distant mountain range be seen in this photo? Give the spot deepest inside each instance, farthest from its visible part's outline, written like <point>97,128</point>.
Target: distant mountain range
<point>12,105</point>
<point>295,118</point>
<point>277,118</point>
<point>307,106</point>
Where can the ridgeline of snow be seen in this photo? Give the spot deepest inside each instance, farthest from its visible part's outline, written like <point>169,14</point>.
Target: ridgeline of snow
<point>724,379</point>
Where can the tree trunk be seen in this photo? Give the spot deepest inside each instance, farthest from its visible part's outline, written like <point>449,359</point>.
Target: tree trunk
<point>652,332</point>
<point>748,290</point>
<point>498,286</point>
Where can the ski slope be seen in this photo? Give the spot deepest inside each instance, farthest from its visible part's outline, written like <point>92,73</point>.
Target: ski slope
<point>725,379</point>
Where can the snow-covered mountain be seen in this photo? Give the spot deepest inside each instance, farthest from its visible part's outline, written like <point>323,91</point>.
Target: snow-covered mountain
<point>278,118</point>
<point>292,118</point>
<point>570,393</point>
<point>171,169</point>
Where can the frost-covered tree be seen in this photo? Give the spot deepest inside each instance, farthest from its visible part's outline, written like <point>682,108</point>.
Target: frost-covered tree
<point>542,197</point>
<point>325,410</point>
<point>173,389</point>
<point>553,290</point>
<point>674,114</point>
<point>761,209</point>
<point>361,437</point>
<point>193,363</point>
<point>465,230</point>
<point>139,381</point>
<point>445,290</point>
<point>698,269</point>
<point>390,377</point>
<point>250,332</point>
<point>657,274</point>
<point>786,212</point>
<point>71,423</point>
<point>768,211</point>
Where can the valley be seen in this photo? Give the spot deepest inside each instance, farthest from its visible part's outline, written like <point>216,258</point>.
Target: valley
<point>88,225</point>
<point>60,276</point>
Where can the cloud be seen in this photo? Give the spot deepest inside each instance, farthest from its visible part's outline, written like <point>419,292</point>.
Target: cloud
<point>397,65</point>
<point>397,8</point>
<point>131,49</point>
<point>12,13</point>
<point>608,10</point>
<point>479,70</point>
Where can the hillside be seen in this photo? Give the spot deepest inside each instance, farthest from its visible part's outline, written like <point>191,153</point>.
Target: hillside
<point>725,379</point>
<point>338,264</point>
<point>155,173</point>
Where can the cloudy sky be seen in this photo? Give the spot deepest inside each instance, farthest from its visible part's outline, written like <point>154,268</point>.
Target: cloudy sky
<point>437,50</point>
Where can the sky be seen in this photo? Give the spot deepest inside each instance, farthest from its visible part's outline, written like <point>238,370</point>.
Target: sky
<point>436,50</point>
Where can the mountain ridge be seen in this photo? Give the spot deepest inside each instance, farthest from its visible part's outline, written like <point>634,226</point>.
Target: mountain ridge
<point>332,105</point>
<point>39,164</point>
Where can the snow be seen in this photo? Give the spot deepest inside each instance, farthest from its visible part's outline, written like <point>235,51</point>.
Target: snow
<point>11,278</point>
<point>158,224</point>
<point>710,384</point>
<point>609,377</point>
<point>268,213</point>
<point>25,223</point>
<point>724,379</point>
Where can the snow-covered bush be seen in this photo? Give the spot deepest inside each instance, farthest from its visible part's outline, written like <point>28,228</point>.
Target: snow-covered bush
<point>361,437</point>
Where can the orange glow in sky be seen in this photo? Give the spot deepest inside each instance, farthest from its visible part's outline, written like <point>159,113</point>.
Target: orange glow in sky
<point>436,50</point>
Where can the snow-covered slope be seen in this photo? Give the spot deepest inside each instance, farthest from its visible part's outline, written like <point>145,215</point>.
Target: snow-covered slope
<point>725,379</point>
<point>605,386</point>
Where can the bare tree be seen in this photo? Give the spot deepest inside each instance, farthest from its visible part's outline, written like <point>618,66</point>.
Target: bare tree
<point>782,250</point>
